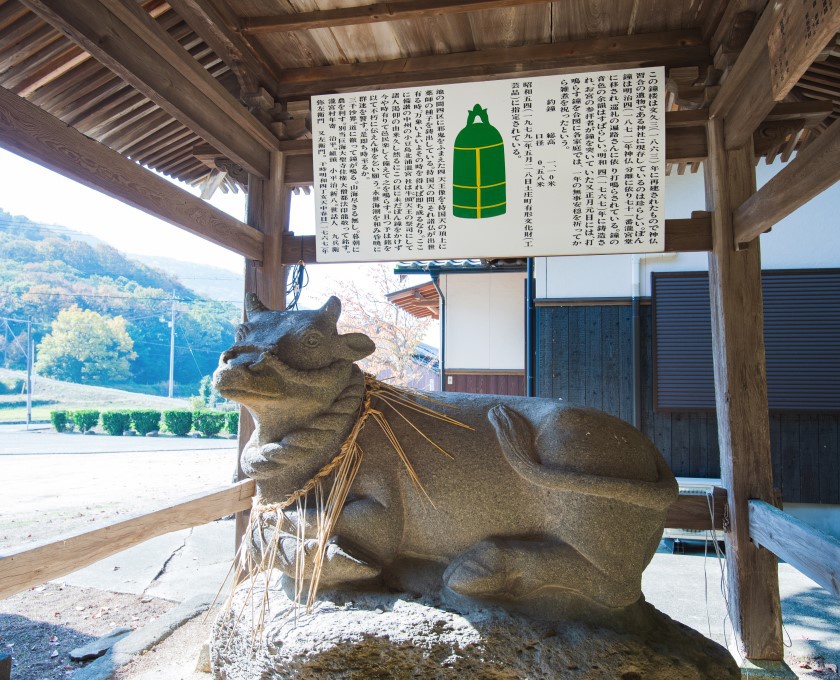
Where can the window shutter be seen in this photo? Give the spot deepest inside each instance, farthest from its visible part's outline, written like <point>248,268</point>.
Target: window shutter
<point>802,340</point>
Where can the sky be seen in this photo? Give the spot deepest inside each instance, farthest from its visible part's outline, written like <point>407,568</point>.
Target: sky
<point>47,197</point>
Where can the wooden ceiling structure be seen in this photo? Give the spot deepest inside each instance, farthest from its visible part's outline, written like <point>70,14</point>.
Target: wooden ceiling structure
<point>215,92</point>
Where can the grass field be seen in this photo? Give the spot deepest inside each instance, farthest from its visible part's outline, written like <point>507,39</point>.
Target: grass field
<point>53,395</point>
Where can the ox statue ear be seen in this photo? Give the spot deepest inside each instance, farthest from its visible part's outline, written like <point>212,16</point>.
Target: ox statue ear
<point>253,305</point>
<point>356,346</point>
<point>332,309</point>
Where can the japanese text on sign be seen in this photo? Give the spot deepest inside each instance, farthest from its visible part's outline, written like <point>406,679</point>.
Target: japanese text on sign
<point>556,165</point>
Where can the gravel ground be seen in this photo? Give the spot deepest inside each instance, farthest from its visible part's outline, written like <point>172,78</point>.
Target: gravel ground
<point>40,627</point>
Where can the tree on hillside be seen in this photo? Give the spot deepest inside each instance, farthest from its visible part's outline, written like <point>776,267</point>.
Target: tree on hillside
<point>86,347</point>
<point>396,333</point>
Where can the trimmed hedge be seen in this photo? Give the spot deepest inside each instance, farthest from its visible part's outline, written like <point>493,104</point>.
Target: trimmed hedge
<point>86,419</point>
<point>116,422</point>
<point>59,420</point>
<point>209,423</point>
<point>232,422</point>
<point>178,422</point>
<point>145,421</point>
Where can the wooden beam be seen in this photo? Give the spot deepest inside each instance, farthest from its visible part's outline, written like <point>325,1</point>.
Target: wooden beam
<point>786,40</point>
<point>681,236</point>
<point>674,48</point>
<point>39,137</point>
<point>29,567</point>
<point>297,248</point>
<point>127,40</point>
<point>700,513</point>
<point>815,554</point>
<point>689,235</point>
<point>815,168</point>
<point>741,400</point>
<point>369,14</point>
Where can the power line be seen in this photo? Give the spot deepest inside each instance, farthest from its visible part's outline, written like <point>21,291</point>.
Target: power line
<point>99,296</point>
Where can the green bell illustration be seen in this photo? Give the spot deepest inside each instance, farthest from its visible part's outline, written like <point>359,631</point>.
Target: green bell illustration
<point>479,189</point>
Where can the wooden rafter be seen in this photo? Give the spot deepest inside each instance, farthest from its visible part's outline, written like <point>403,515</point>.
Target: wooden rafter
<point>36,135</point>
<point>127,40</point>
<point>674,48</point>
<point>370,14</point>
<point>253,67</point>
<point>815,168</point>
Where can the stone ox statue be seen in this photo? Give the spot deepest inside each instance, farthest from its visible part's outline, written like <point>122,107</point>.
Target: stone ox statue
<point>544,507</point>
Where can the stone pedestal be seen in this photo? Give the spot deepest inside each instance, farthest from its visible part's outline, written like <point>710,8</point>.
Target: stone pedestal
<point>355,635</point>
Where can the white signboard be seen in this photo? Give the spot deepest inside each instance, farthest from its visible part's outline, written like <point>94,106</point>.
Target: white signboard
<point>555,165</point>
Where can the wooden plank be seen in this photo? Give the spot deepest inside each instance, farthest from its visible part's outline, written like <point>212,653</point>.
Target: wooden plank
<point>37,136</point>
<point>801,31</point>
<point>776,449</point>
<point>697,512</point>
<point>369,14</point>
<point>577,355</point>
<point>680,440</point>
<point>674,48</point>
<point>815,168</point>
<point>829,460</point>
<point>714,447</point>
<point>697,445</point>
<point>741,400</point>
<point>30,566</point>
<point>127,40</point>
<point>791,487</point>
<point>809,459</point>
<point>625,344</point>
<point>592,366</point>
<point>815,554</point>
<point>610,361</point>
<point>646,370</point>
<point>560,354</point>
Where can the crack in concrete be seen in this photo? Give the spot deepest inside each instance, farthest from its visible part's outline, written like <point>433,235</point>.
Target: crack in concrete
<point>168,560</point>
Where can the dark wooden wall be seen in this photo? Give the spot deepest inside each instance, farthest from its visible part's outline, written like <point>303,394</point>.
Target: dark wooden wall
<point>584,356</point>
<point>486,383</point>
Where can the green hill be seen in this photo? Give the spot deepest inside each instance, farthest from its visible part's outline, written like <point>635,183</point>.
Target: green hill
<point>45,269</point>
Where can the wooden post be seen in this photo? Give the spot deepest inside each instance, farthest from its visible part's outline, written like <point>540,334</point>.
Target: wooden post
<point>741,397</point>
<point>268,210</point>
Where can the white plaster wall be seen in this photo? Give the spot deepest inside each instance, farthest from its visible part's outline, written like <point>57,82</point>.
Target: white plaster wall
<point>808,238</point>
<point>485,321</point>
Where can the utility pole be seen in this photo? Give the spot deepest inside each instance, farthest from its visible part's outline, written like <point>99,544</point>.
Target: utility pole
<point>172,348</point>
<point>30,351</point>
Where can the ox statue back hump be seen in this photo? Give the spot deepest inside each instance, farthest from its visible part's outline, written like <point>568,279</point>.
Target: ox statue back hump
<point>543,507</point>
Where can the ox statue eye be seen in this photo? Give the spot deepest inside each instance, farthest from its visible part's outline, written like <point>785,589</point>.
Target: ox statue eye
<point>312,340</point>
<point>240,334</point>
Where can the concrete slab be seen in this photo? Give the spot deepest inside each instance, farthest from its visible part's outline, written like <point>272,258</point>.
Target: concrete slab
<point>133,570</point>
<point>689,589</point>
<point>202,566</point>
<point>694,597</point>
